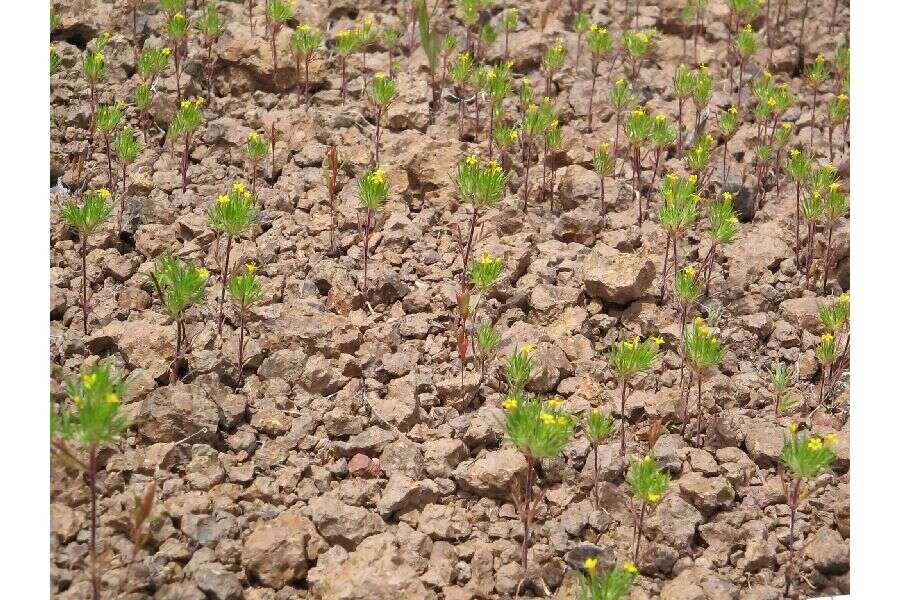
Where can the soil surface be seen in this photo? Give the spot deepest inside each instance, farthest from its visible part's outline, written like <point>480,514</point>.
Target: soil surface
<point>348,464</point>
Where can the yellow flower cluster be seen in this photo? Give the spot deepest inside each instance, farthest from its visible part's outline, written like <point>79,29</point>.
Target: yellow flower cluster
<point>548,419</point>
<point>89,380</point>
<point>658,341</point>
<point>844,298</point>
<point>727,196</point>
<point>590,565</point>
<point>223,199</point>
<point>526,350</point>
<point>251,268</point>
<point>555,403</point>
<point>733,110</point>
<point>472,160</point>
<point>814,444</point>
<point>510,404</point>
<point>166,52</point>
<point>112,398</point>
<point>103,193</point>
<point>690,272</point>
<point>377,176</point>
<point>630,568</point>
<point>203,273</point>
<point>827,338</point>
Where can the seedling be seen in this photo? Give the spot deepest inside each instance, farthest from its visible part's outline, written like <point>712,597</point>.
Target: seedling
<point>729,122</point>
<point>176,32</point>
<point>127,148</point>
<point>686,287</point>
<point>817,74</point>
<point>580,24</point>
<point>278,12</point>
<point>540,430</point>
<point>486,340</point>
<point>648,485</point>
<point>109,118</point>
<point>723,228</point>
<point>185,124</point>
<point>367,37</point>
<point>179,285</point>
<point>484,274</point>
<point>836,206</point>
<point>459,74</point>
<point>621,99</point>
<point>93,67</point>
<point>498,87</point>
<point>482,186</point>
<point>534,124</point>
<point>93,421</point>
<point>391,38</point>
<point>780,379</point>
<point>614,585</point>
<point>373,192</point>
<point>55,62</point>
<point>627,359</point>
<point>745,46</point>
<point>152,62</point>
<point>662,136</point>
<point>331,168</point>
<point>257,147</point>
<point>553,61</point>
<point>383,92</point>
<point>701,94</point>
<point>798,166</point>
<point>805,458</point>
<point>487,35</point>
<point>431,46</point>
<point>346,44</point>
<point>838,113</point>
<point>811,209</point>
<point>698,156</point>
<point>210,27</point>
<point>479,83</point>
<point>599,45</point>
<point>86,217</point>
<point>598,428</point>
<point>683,86</point>
<point>703,351</point>
<point>638,127</point>
<point>552,141</point>
<point>677,213</point>
<point>835,318</point>
<point>605,166</point>
<point>637,46</point>
<point>510,22</point>
<point>245,291</point>
<point>448,47</point>
<point>232,215</point>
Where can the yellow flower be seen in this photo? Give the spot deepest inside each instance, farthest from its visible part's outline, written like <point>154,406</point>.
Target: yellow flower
<point>748,28</point>
<point>834,186</point>
<point>547,418</point>
<point>661,118</point>
<point>379,76</point>
<point>590,565</point>
<point>692,178</point>
<point>814,444</point>
<point>166,51</point>
<point>525,81</point>
<point>562,421</point>
<point>185,104</point>
<point>526,350</point>
<point>690,272</point>
<point>620,82</point>
<point>727,196</point>
<point>672,177</point>
<point>554,124</point>
<point>89,380</point>
<point>653,498</point>
<point>794,153</point>
<point>593,27</point>
<point>239,187</point>
<point>844,298</point>
<point>637,112</point>
<point>77,400</point>
<point>827,338</point>
<point>555,403</point>
<point>223,199</point>
<point>495,166</point>
<point>792,428</point>
<point>510,404</point>
<point>514,135</point>
<point>377,176</point>
<point>120,104</point>
<point>253,136</point>
<point>820,59</point>
<point>648,458</point>
<point>658,341</point>
<point>842,97</point>
<point>303,27</point>
<point>99,57</point>
<point>831,439</point>
<point>732,110</point>
<point>103,193</point>
<point>630,568</point>
<point>604,147</point>
<point>367,21</point>
<point>111,398</point>
<point>203,273</point>
<point>472,160</point>
<point>200,102</point>
<point>786,126</point>
<point>251,268</point>
<point>733,220</point>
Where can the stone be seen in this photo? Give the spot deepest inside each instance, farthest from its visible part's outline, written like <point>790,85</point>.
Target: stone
<point>278,551</point>
<point>363,466</point>
<point>65,523</point>
<point>829,552</point>
<point>675,522</point>
<point>444,522</point>
<point>218,583</point>
<point>399,407</point>
<point>204,471</point>
<point>271,421</point>
<point>764,443</point>
<point>708,494</point>
<point>172,413</point>
<point>491,473</point>
<point>667,452</point>
<point>616,277</point>
<point>403,493</point>
<point>343,524</point>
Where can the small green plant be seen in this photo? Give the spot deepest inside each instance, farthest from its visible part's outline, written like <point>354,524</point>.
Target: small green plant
<point>510,21</point>
<point>811,209</point>
<point>210,27</point>
<point>835,319</point>
<point>745,46</point>
<point>723,228</point>
<point>648,485</point>
<point>232,215</point>
<point>373,190</point>
<point>184,125</point>
<point>539,430</point>
<point>599,44</point>
<point>816,74</point>
<point>257,147</point>
<point>245,291</point>
<point>580,24</point>
<point>431,46</point>
<point>637,46</point>
<point>804,458</point>
<point>694,11</point>
<point>93,66</point>
<point>683,86</point>
<point>486,340</point>
<point>627,359</point>
<point>701,94</point>
<point>553,61</point>
<point>614,585</point>
<point>460,73</point>
<point>91,421</point>
<point>662,136</point>
<point>331,170</point>
<point>838,113</point>
<point>621,99</point>
<point>278,12</point>
<point>151,63</point>
<point>780,379</point>
<point>686,287</point>
<point>702,352</point>
<point>448,48</point>
<point>367,37</point>
<point>836,205</point>
<point>55,62</point>
<point>638,127</point>
<point>127,147</point>
<point>391,38</point>
<point>179,285</point>
<point>177,28</point>
<point>498,87</point>
<point>677,213</point>
<point>382,93</point>
<point>698,156</point>
<point>480,83</point>
<point>552,141</point>
<point>597,428</point>
<point>798,166</point>
<point>86,217</point>
<point>482,186</point>
<point>729,122</point>
<point>605,166</point>
<point>346,44</point>
<point>109,118</point>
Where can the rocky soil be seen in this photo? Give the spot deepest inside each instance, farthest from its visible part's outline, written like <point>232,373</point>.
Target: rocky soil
<point>348,465</point>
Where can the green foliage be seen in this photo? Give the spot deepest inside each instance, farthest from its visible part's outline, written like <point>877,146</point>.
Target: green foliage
<point>54,18</point>
<point>798,165</point>
<point>807,457</point>
<point>430,41</point>
<point>170,7</point>
<point>485,272</point>
<point>177,27</point>
<point>91,213</point>
<point>93,64</point>
<point>834,316</point>
<point>499,84</point>
<point>647,482</point>
<point>383,90</point>
<point>143,95</point>
<point>678,210</point>
<point>702,88</point>
<point>526,93</point>
<point>96,419</point>
<point>481,185</point>
<point>391,37</point>
<point>461,70</point>
<point>126,146</point>
<point>662,135</point>
<point>537,119</point>
<point>554,58</point>
<point>487,338</point>
<point>581,23</point>
<point>822,180</point>
<point>826,351</point>
<point>637,127</point>
<point>598,427</point>
<point>518,370</point>
<point>510,19</point>
<point>553,135</point>
<point>505,137</point>
<point>687,286</point>
<point>279,11</point>
<point>836,205</point>
<point>538,429</point>
<point>109,117</point>
<point>233,213</point>
<point>612,586</point>
<point>210,23</point>
<point>630,357</point>
<point>697,156</point>
<point>347,42</point>
<point>723,221</point>
<point>55,61</point>
<point>180,284</point>
<point>604,163</point>
<point>780,379</point>
<point>367,33</point>
<point>245,289</point>
<point>152,62</point>
<point>683,82</point>
<point>373,189</point>
<point>745,11</point>
<point>599,43</point>
<point>305,41</point>
<point>838,109</point>
<point>703,349</point>
<point>745,43</point>
<point>638,44</point>
<point>817,72</point>
<point>257,147</point>
<point>187,119</point>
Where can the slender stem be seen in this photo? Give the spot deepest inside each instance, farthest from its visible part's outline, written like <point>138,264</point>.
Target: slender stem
<point>638,531</point>
<point>224,284</point>
<point>92,484</point>
<point>699,407</point>
<point>591,99</point>
<point>622,426</point>
<point>84,286</point>
<point>827,258</point>
<point>109,160</point>
<point>596,477</point>
<point>241,346</point>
